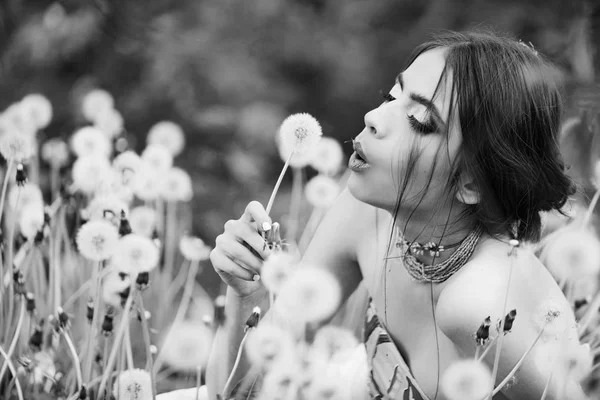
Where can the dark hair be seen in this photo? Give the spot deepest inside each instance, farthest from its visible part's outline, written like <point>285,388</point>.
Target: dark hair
<point>509,108</point>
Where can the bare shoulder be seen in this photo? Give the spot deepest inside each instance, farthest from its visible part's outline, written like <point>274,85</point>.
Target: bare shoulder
<point>480,288</point>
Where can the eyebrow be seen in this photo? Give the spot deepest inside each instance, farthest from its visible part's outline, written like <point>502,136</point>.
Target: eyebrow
<point>419,98</point>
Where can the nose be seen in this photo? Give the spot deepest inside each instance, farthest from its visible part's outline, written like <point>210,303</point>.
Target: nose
<point>370,122</point>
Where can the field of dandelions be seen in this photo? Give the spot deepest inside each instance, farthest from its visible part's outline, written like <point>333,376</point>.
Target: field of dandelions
<point>98,290</point>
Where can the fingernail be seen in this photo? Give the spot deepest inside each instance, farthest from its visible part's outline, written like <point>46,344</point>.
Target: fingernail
<point>256,278</point>
<point>266,226</point>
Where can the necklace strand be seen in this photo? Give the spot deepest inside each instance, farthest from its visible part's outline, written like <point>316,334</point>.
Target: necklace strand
<point>439,272</point>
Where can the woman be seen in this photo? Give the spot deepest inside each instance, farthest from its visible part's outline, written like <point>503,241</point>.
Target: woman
<point>460,158</point>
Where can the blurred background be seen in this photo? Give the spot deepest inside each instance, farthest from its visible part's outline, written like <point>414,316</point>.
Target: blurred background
<point>229,71</point>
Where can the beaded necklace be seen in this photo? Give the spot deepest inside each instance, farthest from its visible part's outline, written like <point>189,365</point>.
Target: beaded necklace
<point>439,272</point>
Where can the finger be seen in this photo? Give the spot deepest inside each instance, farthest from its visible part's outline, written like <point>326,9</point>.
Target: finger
<point>229,267</point>
<point>245,233</point>
<point>238,252</point>
<point>255,212</point>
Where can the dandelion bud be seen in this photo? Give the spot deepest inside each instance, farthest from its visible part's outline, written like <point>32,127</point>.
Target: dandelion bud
<point>63,318</point>
<point>207,320</point>
<point>580,303</point>
<point>483,333</point>
<point>82,393</point>
<point>253,319</point>
<point>19,282</point>
<point>143,280</point>
<point>39,237</point>
<point>30,298</point>
<point>508,321</point>
<point>107,324</point>
<point>124,226</point>
<point>36,339</point>
<point>124,295</point>
<point>90,311</point>
<point>220,310</point>
<point>147,315</point>
<point>21,177</point>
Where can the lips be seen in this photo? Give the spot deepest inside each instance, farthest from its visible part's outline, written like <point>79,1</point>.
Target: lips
<point>359,151</point>
<point>358,160</point>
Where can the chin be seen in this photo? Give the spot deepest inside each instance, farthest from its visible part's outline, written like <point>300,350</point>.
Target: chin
<point>359,188</point>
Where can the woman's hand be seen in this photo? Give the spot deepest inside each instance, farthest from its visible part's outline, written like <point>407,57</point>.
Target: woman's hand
<point>240,250</point>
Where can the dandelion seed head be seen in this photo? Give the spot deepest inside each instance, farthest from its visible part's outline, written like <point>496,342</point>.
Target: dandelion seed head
<point>310,294</point>
<point>135,253</point>
<point>38,108</point>
<point>276,270</point>
<point>31,220</point>
<point>96,102</point>
<point>19,121</point>
<point>466,380</point>
<point>328,156</point>
<point>268,343</point>
<point>167,134</point>
<point>147,184</point>
<point>55,152</point>
<point>574,360</point>
<point>133,384</point>
<point>128,165</point>
<point>114,283</point>
<point>108,207</point>
<point>551,316</point>
<point>187,345</point>
<point>143,220</point>
<point>157,157</point>
<point>90,141</point>
<point>176,185</point>
<point>97,240</point>
<point>332,341</point>
<point>572,253</point>
<point>321,191</point>
<point>193,248</point>
<point>110,122</point>
<point>16,146</point>
<point>23,196</point>
<point>280,380</point>
<point>299,133</point>
<point>90,172</point>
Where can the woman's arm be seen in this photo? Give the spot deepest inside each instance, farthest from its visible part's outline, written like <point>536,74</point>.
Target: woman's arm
<point>480,291</point>
<point>333,247</point>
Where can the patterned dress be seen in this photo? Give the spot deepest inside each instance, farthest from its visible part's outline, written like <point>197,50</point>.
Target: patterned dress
<point>390,375</point>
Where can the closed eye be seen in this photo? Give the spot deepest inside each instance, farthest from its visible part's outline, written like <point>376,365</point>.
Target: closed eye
<point>386,96</point>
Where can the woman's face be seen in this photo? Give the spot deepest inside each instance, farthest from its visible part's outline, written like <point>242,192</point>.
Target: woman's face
<point>407,120</point>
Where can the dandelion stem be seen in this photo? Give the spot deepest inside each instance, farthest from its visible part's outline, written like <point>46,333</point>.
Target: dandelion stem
<point>118,337</point>
<point>227,387</point>
<point>169,237</point>
<point>590,209</point>
<point>279,180</point>
<point>76,361</point>
<point>13,371</point>
<point>146,334</point>
<point>9,168</point>
<point>89,353</point>
<point>501,328</point>
<point>295,203</point>
<point>519,363</point>
<point>545,392</point>
<point>128,352</point>
<point>198,381</point>
<point>182,308</point>
<point>488,348</point>
<point>15,339</point>
<point>589,315</point>
<point>477,351</point>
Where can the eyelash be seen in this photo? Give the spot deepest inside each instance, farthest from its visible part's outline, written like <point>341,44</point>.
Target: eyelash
<point>425,128</point>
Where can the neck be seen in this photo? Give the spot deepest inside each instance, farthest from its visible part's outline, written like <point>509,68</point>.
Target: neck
<point>445,226</point>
